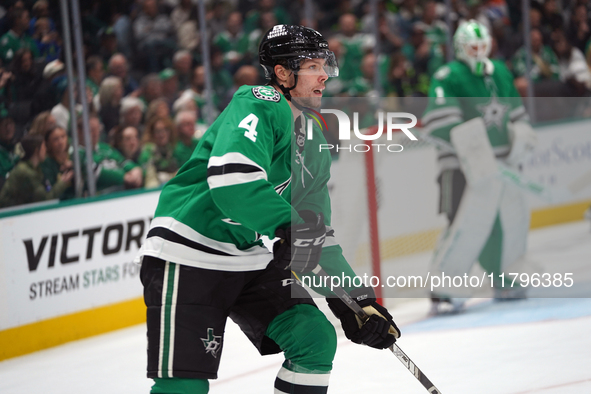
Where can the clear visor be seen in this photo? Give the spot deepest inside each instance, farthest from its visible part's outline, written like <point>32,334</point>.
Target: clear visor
<point>321,62</point>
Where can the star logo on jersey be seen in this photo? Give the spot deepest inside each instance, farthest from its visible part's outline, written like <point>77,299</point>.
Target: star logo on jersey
<point>212,343</point>
<point>493,112</point>
<point>266,93</point>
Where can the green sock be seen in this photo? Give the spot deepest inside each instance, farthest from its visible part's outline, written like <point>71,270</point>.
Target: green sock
<point>180,386</point>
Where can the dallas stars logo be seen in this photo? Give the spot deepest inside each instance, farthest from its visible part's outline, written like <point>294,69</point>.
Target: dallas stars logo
<point>212,343</point>
<point>493,112</point>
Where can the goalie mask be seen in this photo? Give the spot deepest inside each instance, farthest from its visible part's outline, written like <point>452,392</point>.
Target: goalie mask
<point>289,46</point>
<point>472,43</point>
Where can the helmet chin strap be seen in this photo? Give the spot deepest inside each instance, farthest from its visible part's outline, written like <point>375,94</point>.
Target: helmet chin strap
<point>287,91</point>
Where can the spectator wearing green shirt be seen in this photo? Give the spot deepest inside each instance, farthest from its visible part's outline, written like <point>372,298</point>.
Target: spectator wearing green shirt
<point>185,125</point>
<point>95,71</point>
<point>233,42</point>
<point>17,37</point>
<point>544,60</point>
<point>112,171</point>
<point>26,183</point>
<point>8,157</point>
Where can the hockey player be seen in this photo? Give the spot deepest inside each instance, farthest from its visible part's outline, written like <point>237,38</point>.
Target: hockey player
<point>203,260</point>
<point>488,218</point>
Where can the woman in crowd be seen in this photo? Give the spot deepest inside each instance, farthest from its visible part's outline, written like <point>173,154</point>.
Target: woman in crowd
<point>157,157</point>
<point>42,123</point>
<point>58,160</point>
<point>131,112</point>
<point>26,183</point>
<point>126,140</point>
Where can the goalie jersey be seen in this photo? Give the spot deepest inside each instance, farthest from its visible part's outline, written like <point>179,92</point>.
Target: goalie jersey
<point>456,95</point>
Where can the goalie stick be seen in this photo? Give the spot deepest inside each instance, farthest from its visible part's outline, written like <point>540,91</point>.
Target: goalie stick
<point>404,359</point>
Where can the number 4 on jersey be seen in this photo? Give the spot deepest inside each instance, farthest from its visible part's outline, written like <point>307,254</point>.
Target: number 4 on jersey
<point>250,124</point>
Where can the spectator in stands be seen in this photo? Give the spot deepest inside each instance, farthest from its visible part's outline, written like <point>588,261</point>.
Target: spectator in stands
<point>544,61</point>
<point>246,75</point>
<point>109,98</point>
<point>26,183</point>
<point>354,46</point>
<point>221,78</point>
<point>131,113</point>
<point>46,95</point>
<point>408,14</point>
<point>157,109</point>
<point>573,69</point>
<point>27,77</point>
<point>233,42</point>
<point>185,124</point>
<point>157,156</point>
<point>41,10</point>
<point>108,45</point>
<point>17,37</point>
<point>10,5</point>
<point>61,111</point>
<point>579,31</point>
<point>182,63</point>
<point>58,160</point>
<point>253,16</point>
<point>197,89</point>
<point>185,103</point>
<point>424,58</point>
<point>184,12</point>
<point>126,140</point>
<point>150,88</point>
<point>42,123</point>
<point>403,80</point>
<point>118,67</point>
<point>552,15</point>
<point>111,170</point>
<point>95,73</point>
<point>266,21</point>
<point>46,39</point>
<point>216,22</point>
<point>154,34</point>
<point>170,86</point>
<point>8,156</point>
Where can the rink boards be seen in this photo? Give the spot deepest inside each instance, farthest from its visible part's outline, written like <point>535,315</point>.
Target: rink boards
<point>67,272</point>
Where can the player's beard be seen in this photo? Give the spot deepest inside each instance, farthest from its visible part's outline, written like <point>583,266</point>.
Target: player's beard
<point>308,102</point>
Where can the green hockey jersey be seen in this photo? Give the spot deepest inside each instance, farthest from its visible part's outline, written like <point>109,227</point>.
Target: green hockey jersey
<point>212,213</point>
<point>246,178</point>
<point>456,95</point>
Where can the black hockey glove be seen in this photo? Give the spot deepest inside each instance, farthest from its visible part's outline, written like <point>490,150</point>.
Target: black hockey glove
<point>300,246</point>
<point>378,332</point>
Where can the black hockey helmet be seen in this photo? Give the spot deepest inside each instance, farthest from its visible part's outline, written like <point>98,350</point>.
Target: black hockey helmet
<point>288,45</point>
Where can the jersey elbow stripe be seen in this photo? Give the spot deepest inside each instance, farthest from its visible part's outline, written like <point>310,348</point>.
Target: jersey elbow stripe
<point>232,169</point>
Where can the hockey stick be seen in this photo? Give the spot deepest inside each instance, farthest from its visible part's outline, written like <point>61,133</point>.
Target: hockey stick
<point>404,359</point>
<point>548,193</point>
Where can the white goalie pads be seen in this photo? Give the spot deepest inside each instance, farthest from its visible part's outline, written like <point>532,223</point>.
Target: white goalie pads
<point>523,142</point>
<point>474,151</point>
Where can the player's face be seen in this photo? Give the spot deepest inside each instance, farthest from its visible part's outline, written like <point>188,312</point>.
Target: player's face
<point>311,79</point>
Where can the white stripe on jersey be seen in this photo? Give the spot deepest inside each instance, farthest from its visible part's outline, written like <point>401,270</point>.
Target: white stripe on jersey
<point>234,178</point>
<point>232,158</point>
<point>187,232</point>
<point>440,112</point>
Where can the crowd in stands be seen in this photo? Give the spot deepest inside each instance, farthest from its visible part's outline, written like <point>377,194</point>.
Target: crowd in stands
<point>145,75</point>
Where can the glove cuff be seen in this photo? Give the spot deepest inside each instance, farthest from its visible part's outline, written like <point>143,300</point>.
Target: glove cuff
<point>364,296</point>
